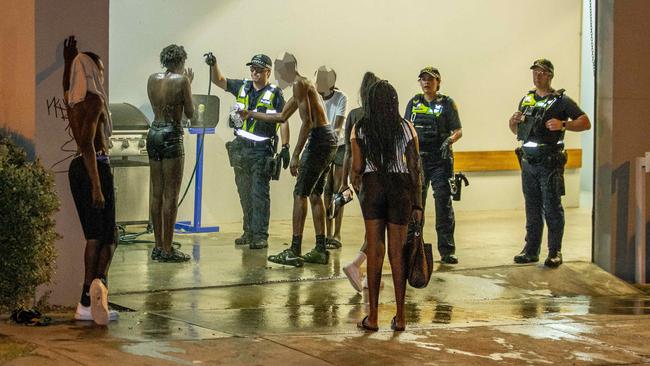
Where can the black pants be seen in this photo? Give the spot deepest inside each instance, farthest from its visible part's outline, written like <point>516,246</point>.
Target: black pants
<point>436,172</point>
<point>253,185</point>
<point>543,187</point>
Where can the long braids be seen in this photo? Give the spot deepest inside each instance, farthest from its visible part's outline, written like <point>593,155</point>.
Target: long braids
<point>381,127</point>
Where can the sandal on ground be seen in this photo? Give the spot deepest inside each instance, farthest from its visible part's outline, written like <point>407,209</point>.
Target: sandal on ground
<point>393,325</point>
<point>332,243</point>
<point>30,317</point>
<point>363,325</point>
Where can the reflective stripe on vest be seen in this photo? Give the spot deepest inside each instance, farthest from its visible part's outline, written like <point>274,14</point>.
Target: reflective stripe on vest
<point>424,108</point>
<point>265,101</point>
<point>546,103</point>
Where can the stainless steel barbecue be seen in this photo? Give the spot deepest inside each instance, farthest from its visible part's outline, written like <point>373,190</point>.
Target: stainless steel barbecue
<point>128,153</point>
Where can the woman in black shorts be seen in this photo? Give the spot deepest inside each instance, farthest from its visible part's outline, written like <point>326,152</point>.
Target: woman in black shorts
<point>170,95</point>
<point>386,172</point>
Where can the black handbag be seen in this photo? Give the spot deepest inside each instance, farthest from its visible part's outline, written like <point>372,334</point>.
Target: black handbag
<point>418,256</point>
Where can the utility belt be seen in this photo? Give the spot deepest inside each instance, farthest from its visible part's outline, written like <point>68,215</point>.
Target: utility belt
<point>551,156</point>
<point>244,142</point>
<point>238,154</point>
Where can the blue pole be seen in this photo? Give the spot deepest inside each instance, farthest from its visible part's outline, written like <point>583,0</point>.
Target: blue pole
<point>198,186</point>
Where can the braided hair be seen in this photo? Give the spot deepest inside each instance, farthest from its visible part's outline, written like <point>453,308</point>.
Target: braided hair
<point>381,127</point>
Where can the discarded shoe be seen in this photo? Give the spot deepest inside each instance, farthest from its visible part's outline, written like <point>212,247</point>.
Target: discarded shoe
<point>176,256</point>
<point>449,259</point>
<point>553,260</point>
<point>287,257</point>
<point>332,243</point>
<point>316,256</point>
<point>524,257</point>
<point>31,317</point>
<point>353,273</point>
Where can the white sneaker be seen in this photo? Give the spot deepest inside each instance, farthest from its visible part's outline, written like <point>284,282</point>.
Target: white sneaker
<point>84,313</point>
<point>365,283</point>
<point>99,302</point>
<point>353,274</point>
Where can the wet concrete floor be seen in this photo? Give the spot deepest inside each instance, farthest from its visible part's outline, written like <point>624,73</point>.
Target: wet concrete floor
<point>229,306</point>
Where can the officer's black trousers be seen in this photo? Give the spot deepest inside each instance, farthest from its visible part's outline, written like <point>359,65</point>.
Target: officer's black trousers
<point>253,186</point>
<point>436,172</point>
<point>543,187</point>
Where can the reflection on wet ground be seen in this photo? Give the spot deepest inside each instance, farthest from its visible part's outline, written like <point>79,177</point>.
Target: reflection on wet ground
<point>229,306</point>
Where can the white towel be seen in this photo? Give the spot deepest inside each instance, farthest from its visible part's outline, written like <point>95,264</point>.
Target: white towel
<point>85,78</point>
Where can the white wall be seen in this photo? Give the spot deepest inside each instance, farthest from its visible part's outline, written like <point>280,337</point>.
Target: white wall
<point>587,91</point>
<point>482,48</point>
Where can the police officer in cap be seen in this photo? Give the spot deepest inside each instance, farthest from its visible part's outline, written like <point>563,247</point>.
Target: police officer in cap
<point>543,116</point>
<point>254,145</point>
<point>435,117</point>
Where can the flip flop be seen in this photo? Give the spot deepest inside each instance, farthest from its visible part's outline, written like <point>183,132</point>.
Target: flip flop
<point>363,325</point>
<point>393,326</point>
<point>332,243</point>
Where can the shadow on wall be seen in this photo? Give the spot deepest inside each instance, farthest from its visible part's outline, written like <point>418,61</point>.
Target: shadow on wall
<point>20,140</point>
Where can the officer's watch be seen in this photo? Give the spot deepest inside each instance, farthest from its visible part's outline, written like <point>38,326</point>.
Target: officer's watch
<point>563,125</point>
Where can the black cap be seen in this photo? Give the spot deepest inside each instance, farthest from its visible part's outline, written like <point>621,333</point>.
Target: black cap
<point>260,61</point>
<point>431,71</point>
<point>544,64</point>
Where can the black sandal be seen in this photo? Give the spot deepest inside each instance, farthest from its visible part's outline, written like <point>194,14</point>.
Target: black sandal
<point>176,256</point>
<point>363,325</point>
<point>393,326</point>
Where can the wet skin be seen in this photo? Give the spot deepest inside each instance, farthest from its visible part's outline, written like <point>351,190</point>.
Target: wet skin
<point>170,95</point>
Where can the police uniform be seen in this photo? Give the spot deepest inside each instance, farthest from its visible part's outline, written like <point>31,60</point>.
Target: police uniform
<point>255,143</point>
<point>435,121</point>
<point>542,158</point>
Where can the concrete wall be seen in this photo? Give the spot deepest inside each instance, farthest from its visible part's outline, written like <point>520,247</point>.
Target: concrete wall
<point>481,49</point>
<point>55,20</point>
<point>17,71</point>
<point>622,132</point>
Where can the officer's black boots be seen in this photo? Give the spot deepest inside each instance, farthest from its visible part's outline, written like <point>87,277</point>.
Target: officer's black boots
<point>258,244</point>
<point>524,257</point>
<point>449,259</point>
<point>244,239</point>
<point>553,260</point>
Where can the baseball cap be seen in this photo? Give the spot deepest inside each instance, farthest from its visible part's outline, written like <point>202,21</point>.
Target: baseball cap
<point>544,64</point>
<point>260,61</point>
<point>431,71</point>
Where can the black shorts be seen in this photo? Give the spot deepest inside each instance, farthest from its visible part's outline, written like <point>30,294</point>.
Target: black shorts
<point>97,224</point>
<point>386,198</point>
<point>165,141</point>
<point>315,162</point>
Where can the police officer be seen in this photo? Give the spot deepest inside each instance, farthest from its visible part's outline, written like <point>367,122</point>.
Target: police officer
<point>435,117</point>
<point>252,150</point>
<point>543,116</point>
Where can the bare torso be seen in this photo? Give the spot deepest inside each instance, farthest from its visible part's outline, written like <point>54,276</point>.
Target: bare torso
<point>168,94</point>
<point>92,107</point>
<point>305,92</point>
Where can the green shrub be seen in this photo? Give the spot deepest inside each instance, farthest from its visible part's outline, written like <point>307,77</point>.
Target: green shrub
<point>28,202</point>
